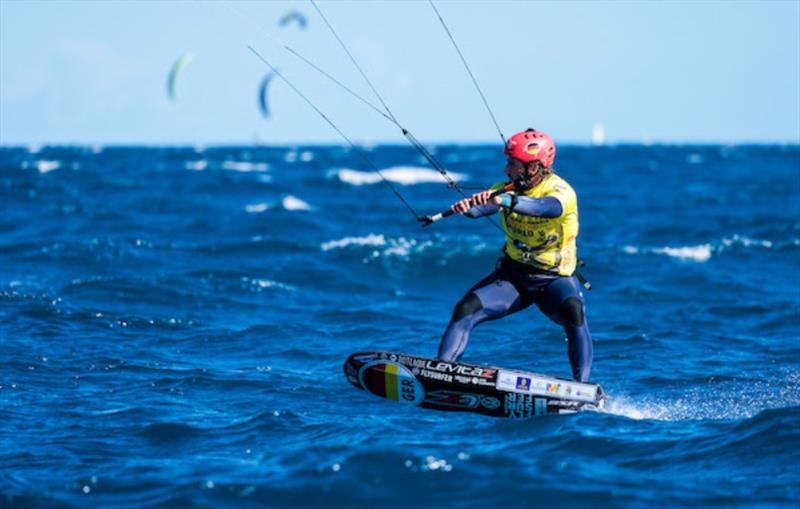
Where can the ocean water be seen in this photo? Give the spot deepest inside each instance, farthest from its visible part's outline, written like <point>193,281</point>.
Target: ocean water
<point>173,323</point>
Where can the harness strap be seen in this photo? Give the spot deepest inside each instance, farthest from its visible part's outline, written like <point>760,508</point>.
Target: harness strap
<point>584,282</point>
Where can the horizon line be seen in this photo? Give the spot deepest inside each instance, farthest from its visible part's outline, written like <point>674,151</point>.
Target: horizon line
<point>391,143</point>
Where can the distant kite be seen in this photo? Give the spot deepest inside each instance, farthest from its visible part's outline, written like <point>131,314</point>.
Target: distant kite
<point>177,67</point>
<point>295,16</point>
<point>263,103</point>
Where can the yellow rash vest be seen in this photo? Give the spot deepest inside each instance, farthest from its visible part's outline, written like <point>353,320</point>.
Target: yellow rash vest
<point>544,243</point>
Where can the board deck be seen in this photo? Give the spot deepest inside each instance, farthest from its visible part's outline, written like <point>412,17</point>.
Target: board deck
<point>450,386</point>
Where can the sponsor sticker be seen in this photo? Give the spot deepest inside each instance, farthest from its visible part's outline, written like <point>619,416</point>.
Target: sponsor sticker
<point>489,402</point>
<point>529,383</point>
<point>412,362</point>
<point>460,369</point>
<point>433,375</point>
<point>456,399</point>
<point>365,357</point>
<point>519,405</point>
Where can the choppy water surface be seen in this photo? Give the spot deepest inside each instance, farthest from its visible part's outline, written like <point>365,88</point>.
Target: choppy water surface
<point>173,323</point>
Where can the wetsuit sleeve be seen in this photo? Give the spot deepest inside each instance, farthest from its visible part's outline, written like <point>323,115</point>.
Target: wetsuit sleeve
<point>482,210</point>
<point>549,206</point>
<point>485,210</point>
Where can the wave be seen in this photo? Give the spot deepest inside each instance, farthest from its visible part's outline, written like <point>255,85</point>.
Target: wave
<point>290,202</point>
<point>404,175</point>
<point>305,156</point>
<point>42,165</point>
<point>199,165</point>
<point>399,246</point>
<point>703,252</point>
<point>738,240</point>
<point>715,400</point>
<point>168,432</point>
<point>240,166</point>
<point>699,253</point>
<point>369,240</point>
<point>256,208</point>
<point>47,166</point>
<point>267,283</point>
<point>694,159</point>
<point>244,166</point>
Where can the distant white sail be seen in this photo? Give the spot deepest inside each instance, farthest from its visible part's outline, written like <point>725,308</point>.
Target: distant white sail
<point>598,134</point>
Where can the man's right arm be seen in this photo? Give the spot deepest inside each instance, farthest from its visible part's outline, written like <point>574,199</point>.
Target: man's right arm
<point>478,205</point>
<point>482,211</point>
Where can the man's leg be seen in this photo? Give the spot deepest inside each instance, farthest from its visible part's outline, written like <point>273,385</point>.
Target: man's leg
<point>562,301</point>
<point>492,298</point>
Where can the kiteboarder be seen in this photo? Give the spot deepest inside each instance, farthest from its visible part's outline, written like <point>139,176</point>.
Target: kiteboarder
<point>540,220</point>
<point>293,16</point>
<point>175,71</point>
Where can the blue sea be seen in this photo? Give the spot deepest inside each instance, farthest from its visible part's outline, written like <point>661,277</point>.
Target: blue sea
<point>173,323</point>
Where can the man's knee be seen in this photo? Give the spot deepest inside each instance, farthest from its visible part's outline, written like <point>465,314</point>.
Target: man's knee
<point>571,311</point>
<point>466,306</point>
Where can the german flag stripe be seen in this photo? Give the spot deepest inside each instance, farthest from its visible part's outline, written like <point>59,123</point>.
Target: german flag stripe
<point>391,381</point>
<point>375,380</point>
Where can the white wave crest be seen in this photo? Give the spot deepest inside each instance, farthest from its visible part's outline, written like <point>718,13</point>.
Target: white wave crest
<point>46,166</point>
<point>699,253</point>
<point>746,242</point>
<point>400,246</point>
<point>404,175</point>
<point>267,283</point>
<point>256,208</point>
<point>290,202</point>
<point>244,166</point>
<point>200,165</point>
<point>703,252</point>
<point>403,247</point>
<point>369,240</point>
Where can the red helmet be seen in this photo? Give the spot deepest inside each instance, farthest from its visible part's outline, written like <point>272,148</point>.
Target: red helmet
<point>532,145</point>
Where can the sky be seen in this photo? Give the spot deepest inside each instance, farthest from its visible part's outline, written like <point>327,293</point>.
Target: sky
<point>91,72</point>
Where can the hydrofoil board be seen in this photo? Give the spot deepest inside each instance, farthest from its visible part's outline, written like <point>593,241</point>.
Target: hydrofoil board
<point>457,387</point>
